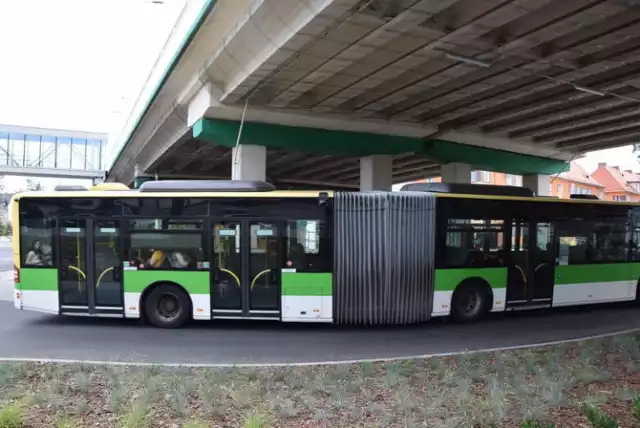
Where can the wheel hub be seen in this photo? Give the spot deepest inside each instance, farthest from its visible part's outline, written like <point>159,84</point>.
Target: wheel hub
<point>168,307</point>
<point>471,303</point>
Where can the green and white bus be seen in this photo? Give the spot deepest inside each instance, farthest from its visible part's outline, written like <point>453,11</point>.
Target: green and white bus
<point>172,251</point>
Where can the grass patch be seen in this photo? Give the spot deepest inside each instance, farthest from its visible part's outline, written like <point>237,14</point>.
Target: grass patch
<point>592,383</point>
<point>11,417</point>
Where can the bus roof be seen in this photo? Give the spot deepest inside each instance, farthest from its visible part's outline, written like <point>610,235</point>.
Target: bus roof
<point>286,194</point>
<point>533,199</point>
<point>136,194</point>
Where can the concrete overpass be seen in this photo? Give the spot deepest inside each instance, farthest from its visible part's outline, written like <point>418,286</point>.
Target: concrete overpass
<point>360,93</point>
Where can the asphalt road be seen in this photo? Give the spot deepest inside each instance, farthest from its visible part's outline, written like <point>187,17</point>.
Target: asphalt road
<point>32,335</point>
<point>40,336</point>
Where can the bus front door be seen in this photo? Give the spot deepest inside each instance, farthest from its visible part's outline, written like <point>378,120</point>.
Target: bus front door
<point>531,265</point>
<point>90,274</point>
<point>246,269</point>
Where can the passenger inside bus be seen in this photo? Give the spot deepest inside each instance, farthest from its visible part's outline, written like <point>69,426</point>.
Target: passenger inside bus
<point>158,259</point>
<point>182,260</point>
<point>38,255</point>
<point>171,259</point>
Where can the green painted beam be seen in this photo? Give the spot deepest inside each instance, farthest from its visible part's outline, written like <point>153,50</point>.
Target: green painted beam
<point>492,159</point>
<point>348,143</point>
<point>302,139</point>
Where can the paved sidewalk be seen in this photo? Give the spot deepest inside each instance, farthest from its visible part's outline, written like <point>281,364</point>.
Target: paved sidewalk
<point>6,285</point>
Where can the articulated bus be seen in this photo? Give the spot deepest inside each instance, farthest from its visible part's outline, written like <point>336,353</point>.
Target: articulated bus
<point>173,251</point>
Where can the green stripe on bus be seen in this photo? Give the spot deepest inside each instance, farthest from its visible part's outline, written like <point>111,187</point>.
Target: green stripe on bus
<point>448,279</point>
<point>307,284</point>
<point>609,272</point>
<point>39,279</point>
<point>135,281</point>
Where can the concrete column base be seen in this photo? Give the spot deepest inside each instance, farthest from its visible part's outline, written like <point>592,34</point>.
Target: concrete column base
<point>538,183</point>
<point>376,173</point>
<point>249,163</point>
<point>456,173</point>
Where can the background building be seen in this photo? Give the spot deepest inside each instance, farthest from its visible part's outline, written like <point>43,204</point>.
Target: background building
<point>28,147</point>
<point>619,185</point>
<point>576,181</point>
<point>606,182</point>
<point>54,156</point>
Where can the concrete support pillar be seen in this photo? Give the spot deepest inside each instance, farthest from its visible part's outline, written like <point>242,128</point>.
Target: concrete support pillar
<point>456,173</point>
<point>539,183</point>
<point>376,173</point>
<point>139,177</point>
<point>249,163</point>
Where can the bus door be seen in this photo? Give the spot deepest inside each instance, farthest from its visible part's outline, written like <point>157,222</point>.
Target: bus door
<point>531,264</point>
<point>518,263</point>
<point>245,279</point>
<point>542,263</point>
<point>90,273</point>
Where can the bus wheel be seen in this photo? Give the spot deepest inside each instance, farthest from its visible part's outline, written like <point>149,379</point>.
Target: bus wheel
<point>470,302</point>
<point>167,306</point>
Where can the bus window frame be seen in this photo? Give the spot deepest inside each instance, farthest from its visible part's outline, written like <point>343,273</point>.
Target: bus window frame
<point>205,222</point>
<point>553,212</point>
<point>277,209</point>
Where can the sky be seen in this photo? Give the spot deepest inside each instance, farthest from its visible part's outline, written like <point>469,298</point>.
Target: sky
<point>78,64</point>
<point>620,156</point>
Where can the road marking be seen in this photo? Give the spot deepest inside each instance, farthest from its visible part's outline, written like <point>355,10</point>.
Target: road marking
<point>315,363</point>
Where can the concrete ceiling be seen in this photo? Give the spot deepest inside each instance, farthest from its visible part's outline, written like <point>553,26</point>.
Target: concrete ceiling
<point>285,169</point>
<point>561,74</point>
<point>547,78</point>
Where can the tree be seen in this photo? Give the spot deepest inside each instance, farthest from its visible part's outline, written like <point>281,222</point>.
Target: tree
<point>33,185</point>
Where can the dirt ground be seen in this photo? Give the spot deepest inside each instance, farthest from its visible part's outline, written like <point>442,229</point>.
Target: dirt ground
<point>552,384</point>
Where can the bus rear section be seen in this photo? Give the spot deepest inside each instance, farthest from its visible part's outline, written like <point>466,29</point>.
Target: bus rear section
<point>520,253</point>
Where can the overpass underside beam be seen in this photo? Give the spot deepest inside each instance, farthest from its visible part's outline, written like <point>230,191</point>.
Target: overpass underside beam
<point>371,147</point>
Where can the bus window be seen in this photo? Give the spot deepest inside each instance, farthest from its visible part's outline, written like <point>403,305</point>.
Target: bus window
<point>585,242</point>
<point>611,243</point>
<point>35,242</point>
<point>474,243</point>
<point>164,244</point>
<point>305,247</point>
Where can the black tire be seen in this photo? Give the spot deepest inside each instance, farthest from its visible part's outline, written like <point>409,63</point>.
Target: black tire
<point>167,306</point>
<point>470,302</point>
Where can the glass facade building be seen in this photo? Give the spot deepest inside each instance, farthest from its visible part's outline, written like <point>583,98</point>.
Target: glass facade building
<point>42,148</point>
